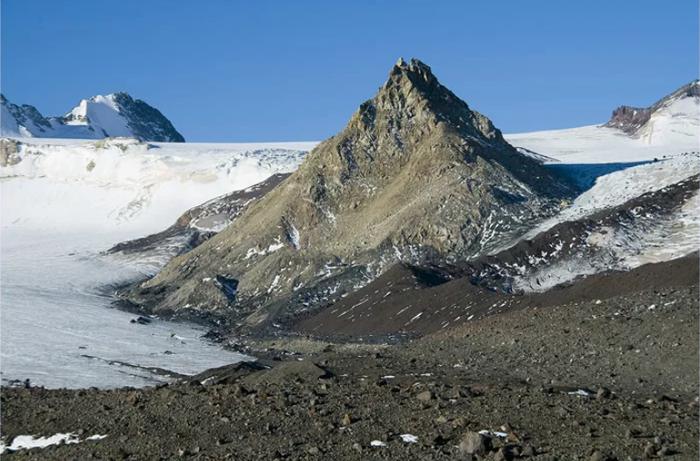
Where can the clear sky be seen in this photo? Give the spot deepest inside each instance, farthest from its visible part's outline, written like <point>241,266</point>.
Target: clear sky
<point>296,70</point>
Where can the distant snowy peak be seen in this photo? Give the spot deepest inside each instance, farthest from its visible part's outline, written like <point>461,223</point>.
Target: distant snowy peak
<point>118,114</point>
<point>113,115</point>
<point>21,121</point>
<point>669,127</point>
<point>683,103</point>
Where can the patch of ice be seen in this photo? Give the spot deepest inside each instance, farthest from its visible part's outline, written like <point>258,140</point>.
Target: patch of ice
<point>493,433</point>
<point>274,247</point>
<point>26,442</point>
<point>295,237</point>
<point>415,317</point>
<point>274,284</point>
<point>581,392</point>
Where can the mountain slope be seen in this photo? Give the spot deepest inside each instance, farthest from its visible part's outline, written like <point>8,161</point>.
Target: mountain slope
<point>415,176</point>
<point>668,127</point>
<point>638,121</point>
<point>591,250</point>
<point>113,115</point>
<point>195,226</point>
<point>21,121</point>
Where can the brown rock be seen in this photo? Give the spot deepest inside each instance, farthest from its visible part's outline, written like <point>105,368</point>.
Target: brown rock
<point>473,443</point>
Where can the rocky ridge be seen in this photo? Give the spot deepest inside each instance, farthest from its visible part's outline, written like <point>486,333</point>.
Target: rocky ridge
<point>632,119</point>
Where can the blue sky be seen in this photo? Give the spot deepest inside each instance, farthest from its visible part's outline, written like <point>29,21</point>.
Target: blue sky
<point>297,70</point>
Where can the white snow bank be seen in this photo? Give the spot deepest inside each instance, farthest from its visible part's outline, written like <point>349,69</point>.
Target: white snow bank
<point>493,433</point>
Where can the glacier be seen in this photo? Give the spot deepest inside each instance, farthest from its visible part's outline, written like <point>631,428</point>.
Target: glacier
<point>66,202</point>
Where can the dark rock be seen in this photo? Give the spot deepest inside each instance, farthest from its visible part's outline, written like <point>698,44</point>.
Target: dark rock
<point>528,450</point>
<point>227,374</point>
<point>293,371</point>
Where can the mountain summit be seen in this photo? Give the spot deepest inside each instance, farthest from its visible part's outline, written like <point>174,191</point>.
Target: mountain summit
<point>416,177</point>
<point>112,115</point>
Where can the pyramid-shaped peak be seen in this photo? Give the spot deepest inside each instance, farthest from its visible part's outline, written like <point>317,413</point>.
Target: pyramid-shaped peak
<point>413,93</point>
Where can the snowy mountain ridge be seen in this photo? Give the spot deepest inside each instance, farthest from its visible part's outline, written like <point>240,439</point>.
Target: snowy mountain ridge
<point>667,128</point>
<point>633,120</point>
<point>101,116</point>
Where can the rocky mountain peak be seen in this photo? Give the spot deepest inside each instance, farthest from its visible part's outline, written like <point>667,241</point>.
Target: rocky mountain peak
<point>416,176</point>
<point>413,89</point>
<point>632,120</point>
<point>415,71</point>
<point>413,121</point>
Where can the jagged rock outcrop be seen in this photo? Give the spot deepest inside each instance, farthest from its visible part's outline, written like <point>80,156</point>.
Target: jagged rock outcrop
<point>632,119</point>
<point>416,176</point>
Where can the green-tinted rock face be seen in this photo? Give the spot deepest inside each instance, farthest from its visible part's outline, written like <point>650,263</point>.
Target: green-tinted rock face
<point>416,176</point>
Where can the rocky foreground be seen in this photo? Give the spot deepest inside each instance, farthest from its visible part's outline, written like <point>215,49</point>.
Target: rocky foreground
<point>595,379</point>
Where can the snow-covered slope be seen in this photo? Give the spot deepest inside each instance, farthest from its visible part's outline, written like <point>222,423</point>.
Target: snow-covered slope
<point>18,121</point>
<point>126,184</point>
<point>112,115</point>
<point>62,203</point>
<point>671,126</point>
<point>647,213</point>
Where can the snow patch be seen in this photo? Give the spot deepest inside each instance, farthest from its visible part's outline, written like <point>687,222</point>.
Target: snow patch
<point>27,442</point>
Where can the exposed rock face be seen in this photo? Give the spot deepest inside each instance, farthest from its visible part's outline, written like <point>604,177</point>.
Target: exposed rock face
<point>416,176</point>
<point>632,119</point>
<point>146,122</point>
